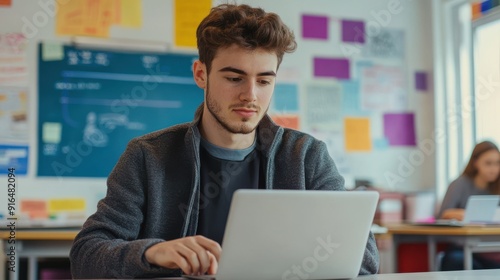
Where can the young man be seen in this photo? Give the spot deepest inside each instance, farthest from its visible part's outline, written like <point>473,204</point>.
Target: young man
<point>169,194</point>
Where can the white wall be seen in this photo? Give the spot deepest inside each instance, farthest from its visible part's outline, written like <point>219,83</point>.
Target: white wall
<point>414,17</point>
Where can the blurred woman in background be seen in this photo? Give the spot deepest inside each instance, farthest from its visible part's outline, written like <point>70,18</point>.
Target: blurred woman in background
<point>480,177</point>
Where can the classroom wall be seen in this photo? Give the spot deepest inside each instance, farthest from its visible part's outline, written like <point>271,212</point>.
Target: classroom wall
<point>413,167</point>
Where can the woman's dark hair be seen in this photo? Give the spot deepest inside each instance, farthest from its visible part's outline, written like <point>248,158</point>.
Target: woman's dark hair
<point>471,170</point>
<point>244,26</point>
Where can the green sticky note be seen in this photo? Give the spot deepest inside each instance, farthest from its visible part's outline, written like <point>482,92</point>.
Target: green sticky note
<point>52,51</point>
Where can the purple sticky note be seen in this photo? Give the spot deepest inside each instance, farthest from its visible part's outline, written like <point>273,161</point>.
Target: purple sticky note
<point>421,81</point>
<point>399,129</point>
<point>315,27</point>
<point>332,68</point>
<point>353,31</point>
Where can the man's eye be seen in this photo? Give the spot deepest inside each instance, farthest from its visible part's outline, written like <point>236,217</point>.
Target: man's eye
<point>265,82</point>
<point>233,79</point>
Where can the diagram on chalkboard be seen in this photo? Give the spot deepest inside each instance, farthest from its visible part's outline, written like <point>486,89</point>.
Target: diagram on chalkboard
<point>93,102</point>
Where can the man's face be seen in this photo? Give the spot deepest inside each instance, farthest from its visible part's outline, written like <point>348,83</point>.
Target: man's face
<point>239,88</point>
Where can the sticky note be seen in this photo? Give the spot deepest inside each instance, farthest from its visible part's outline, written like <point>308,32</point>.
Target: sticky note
<point>51,132</point>
<point>52,51</point>
<point>188,15</point>
<point>399,129</point>
<point>63,205</point>
<point>314,27</point>
<point>357,134</point>
<point>351,102</point>
<point>286,98</point>
<point>421,81</point>
<point>289,121</point>
<point>130,13</point>
<point>353,31</point>
<point>35,208</point>
<point>332,68</point>
<point>5,2</point>
<point>380,143</point>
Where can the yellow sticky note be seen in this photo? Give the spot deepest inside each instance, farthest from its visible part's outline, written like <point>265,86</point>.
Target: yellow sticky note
<point>64,205</point>
<point>130,13</point>
<point>188,15</point>
<point>357,134</point>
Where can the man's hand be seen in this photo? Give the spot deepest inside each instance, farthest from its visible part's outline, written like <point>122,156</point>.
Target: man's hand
<point>453,214</point>
<point>195,255</point>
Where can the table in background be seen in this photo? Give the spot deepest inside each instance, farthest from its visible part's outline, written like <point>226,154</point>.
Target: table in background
<point>474,239</point>
<point>441,275</point>
<point>37,243</point>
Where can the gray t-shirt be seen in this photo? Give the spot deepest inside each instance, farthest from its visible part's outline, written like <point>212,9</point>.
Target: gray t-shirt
<point>458,193</point>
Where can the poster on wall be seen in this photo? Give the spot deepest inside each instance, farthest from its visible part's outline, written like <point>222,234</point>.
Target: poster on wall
<point>383,88</point>
<point>13,114</point>
<point>323,106</point>
<point>14,156</point>
<point>385,43</point>
<point>13,65</point>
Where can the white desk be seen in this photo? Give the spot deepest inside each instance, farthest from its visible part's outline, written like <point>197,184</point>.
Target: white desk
<point>34,244</point>
<point>493,274</point>
<point>473,238</point>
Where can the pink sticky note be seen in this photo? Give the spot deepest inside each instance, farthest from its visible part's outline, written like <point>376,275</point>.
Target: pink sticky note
<point>315,27</point>
<point>332,68</point>
<point>399,128</point>
<point>353,31</point>
<point>421,81</point>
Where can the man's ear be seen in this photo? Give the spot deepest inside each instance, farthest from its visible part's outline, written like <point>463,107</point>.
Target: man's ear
<point>200,74</point>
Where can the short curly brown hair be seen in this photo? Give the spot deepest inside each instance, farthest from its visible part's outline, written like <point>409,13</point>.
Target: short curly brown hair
<point>244,26</point>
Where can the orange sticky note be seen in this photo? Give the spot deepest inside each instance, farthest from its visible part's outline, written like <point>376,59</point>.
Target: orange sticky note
<point>89,18</point>
<point>5,2</point>
<point>357,134</point>
<point>34,208</point>
<point>117,7</point>
<point>289,121</point>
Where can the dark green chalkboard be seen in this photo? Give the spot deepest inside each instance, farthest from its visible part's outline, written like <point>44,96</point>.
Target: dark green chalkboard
<point>93,102</point>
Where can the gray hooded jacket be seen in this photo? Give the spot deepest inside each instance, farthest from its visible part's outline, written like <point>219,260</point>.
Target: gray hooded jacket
<point>154,193</point>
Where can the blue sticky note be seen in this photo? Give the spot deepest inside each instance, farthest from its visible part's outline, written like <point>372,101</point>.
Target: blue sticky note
<point>286,98</point>
<point>380,143</point>
<point>350,97</point>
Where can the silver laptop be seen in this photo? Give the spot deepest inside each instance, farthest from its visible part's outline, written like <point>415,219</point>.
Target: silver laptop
<point>291,234</point>
<point>479,210</point>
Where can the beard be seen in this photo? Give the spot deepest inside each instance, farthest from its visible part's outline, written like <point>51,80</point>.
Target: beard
<point>241,127</point>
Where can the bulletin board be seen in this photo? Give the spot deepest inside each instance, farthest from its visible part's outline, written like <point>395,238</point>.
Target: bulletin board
<point>93,102</point>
